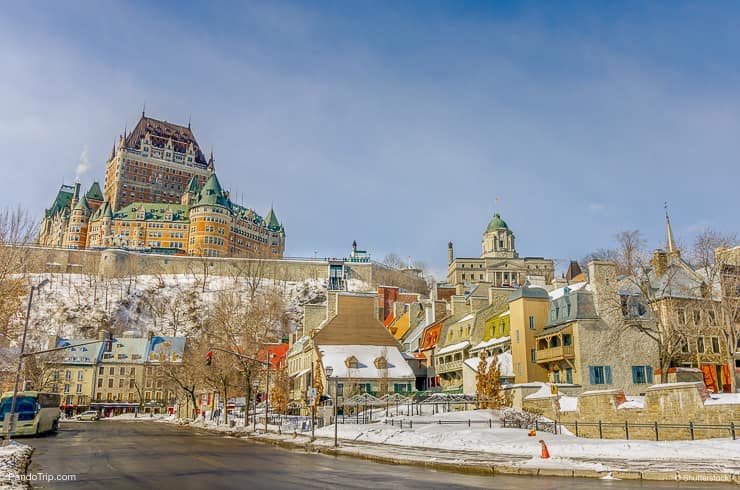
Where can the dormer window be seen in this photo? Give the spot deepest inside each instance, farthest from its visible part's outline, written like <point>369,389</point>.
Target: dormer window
<point>351,362</point>
<point>381,363</point>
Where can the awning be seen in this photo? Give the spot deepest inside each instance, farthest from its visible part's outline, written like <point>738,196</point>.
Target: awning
<point>302,373</point>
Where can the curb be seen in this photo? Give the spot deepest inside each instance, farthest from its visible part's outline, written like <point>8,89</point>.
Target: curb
<point>488,469</point>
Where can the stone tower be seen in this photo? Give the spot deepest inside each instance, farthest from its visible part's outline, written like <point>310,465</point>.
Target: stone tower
<point>498,240</point>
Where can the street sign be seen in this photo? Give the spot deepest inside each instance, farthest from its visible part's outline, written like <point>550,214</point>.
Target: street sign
<point>312,394</point>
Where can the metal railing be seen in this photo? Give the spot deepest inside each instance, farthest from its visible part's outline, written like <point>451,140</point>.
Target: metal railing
<point>656,428</point>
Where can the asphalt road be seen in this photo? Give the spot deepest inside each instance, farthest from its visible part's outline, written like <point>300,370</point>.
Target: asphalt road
<point>128,455</point>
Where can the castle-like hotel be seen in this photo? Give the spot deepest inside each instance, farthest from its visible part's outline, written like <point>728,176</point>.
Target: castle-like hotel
<point>160,195</point>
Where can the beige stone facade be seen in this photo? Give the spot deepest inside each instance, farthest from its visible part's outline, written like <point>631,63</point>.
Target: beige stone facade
<point>499,263</point>
<point>680,404</point>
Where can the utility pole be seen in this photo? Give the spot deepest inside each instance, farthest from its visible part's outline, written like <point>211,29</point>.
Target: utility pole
<point>11,422</point>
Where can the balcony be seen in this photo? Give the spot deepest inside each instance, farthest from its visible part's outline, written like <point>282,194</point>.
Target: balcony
<point>558,353</point>
<point>449,366</point>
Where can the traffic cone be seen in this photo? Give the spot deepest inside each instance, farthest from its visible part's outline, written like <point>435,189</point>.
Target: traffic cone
<point>545,453</point>
<point>532,433</point>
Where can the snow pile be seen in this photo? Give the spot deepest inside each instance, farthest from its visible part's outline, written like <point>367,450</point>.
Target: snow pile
<point>13,463</point>
<point>723,399</point>
<point>545,391</point>
<point>568,403</point>
<point>633,402</point>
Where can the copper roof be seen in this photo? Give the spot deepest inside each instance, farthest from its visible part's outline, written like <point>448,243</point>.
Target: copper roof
<point>160,132</point>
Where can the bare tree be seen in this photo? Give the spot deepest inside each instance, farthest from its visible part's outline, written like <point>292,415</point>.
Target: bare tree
<point>393,261</point>
<point>17,230</point>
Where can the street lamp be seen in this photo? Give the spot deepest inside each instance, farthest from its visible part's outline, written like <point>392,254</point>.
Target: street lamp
<point>267,388</point>
<point>254,412</point>
<point>11,423</point>
<point>329,371</point>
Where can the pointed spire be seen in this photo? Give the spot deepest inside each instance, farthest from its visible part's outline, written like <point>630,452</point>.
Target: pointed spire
<point>211,165</point>
<point>143,110</point>
<point>670,241</point>
<point>189,118</point>
<point>113,151</point>
<point>272,221</point>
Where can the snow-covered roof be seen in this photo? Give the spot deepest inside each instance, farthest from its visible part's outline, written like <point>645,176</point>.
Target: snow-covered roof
<point>558,293</point>
<point>337,355</point>
<point>505,363</point>
<point>467,317</point>
<point>491,343</point>
<point>452,348</point>
<point>86,354</point>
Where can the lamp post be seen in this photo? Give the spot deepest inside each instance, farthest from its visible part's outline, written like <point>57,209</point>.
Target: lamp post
<point>11,422</point>
<point>254,412</point>
<point>329,371</point>
<point>267,388</point>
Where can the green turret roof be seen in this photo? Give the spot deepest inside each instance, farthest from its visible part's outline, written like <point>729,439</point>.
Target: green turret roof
<point>497,223</point>
<point>108,211</point>
<point>82,204</point>
<point>193,186</point>
<point>94,192</point>
<point>62,201</point>
<point>212,194</point>
<point>272,221</point>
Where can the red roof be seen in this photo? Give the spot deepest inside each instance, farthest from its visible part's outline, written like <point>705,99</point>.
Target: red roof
<point>278,352</point>
<point>431,335</point>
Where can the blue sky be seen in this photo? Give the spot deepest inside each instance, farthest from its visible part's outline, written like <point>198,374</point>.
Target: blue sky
<point>397,124</point>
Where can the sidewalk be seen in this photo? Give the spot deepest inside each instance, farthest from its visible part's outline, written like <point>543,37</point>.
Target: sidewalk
<point>722,468</point>
<point>13,462</point>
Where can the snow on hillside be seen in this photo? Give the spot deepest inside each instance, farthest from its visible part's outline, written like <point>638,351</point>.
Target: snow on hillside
<point>77,305</point>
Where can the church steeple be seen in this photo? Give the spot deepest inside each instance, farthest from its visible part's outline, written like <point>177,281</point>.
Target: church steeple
<point>670,241</point>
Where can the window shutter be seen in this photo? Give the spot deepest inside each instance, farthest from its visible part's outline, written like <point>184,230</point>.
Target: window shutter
<point>634,375</point>
<point>592,375</point>
<point>649,374</point>
<point>608,374</point>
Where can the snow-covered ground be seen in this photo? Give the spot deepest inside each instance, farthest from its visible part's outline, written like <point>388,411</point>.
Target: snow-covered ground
<point>499,440</point>
<point>13,462</point>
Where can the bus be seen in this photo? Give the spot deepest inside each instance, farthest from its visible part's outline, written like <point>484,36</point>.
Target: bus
<point>36,412</point>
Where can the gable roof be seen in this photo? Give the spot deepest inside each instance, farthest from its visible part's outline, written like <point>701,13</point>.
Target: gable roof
<point>161,132</point>
<point>355,323</point>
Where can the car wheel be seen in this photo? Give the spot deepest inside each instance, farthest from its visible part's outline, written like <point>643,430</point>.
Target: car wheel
<point>55,426</point>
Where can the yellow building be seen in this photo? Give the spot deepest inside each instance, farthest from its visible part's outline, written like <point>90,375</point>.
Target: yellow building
<point>73,372</point>
<point>529,309</point>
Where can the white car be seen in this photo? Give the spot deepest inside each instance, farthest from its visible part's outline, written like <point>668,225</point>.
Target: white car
<point>89,415</point>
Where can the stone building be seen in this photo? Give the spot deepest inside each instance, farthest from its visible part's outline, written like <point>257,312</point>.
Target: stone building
<point>687,303</point>
<point>589,343</point>
<point>160,195</point>
<point>499,263</point>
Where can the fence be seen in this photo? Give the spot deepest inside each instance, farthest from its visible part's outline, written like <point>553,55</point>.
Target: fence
<point>655,428</point>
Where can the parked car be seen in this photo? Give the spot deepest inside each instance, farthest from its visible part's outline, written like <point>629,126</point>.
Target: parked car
<point>89,415</point>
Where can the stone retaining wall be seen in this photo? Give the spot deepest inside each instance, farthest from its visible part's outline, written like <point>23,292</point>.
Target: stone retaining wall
<point>678,404</point>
